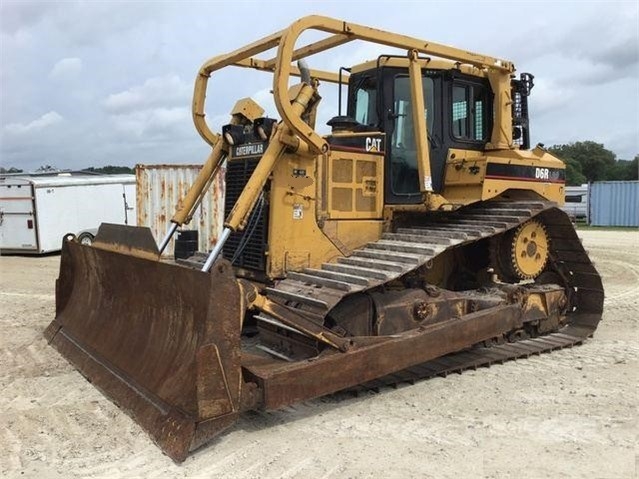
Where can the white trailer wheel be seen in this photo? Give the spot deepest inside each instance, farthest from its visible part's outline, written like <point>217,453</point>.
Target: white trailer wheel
<point>86,239</point>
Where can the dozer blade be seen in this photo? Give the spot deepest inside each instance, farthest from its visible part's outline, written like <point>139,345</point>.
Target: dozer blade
<point>160,340</point>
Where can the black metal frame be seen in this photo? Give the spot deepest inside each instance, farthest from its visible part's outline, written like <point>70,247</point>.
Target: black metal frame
<point>441,137</point>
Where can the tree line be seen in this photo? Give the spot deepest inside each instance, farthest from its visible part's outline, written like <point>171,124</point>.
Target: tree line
<point>588,161</point>
<point>111,170</point>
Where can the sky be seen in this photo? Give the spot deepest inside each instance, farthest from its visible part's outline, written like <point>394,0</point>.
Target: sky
<point>110,83</point>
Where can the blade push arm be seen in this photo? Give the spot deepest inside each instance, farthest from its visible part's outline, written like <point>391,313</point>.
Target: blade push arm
<point>245,111</point>
<point>198,189</point>
<point>237,219</point>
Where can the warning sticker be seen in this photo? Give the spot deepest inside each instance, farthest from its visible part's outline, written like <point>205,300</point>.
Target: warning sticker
<point>428,183</point>
<point>298,213</point>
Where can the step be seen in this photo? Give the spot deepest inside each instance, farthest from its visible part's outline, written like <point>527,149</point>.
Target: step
<point>190,263</point>
<point>498,212</point>
<point>420,239</point>
<point>483,220</point>
<point>357,271</point>
<point>483,223</point>
<point>274,353</point>
<point>298,298</point>
<point>337,276</point>
<point>405,258</point>
<point>313,279</point>
<point>434,233</point>
<point>404,247</point>
<point>265,318</point>
<point>463,228</point>
<point>374,263</point>
<point>527,205</point>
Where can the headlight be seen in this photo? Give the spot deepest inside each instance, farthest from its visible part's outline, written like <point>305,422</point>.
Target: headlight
<point>264,127</point>
<point>233,134</point>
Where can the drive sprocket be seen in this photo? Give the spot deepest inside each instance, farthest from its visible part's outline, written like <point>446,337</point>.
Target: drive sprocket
<point>521,253</point>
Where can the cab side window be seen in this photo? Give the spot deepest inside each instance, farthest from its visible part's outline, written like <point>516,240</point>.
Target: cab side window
<point>460,111</point>
<point>469,110</point>
<point>365,104</point>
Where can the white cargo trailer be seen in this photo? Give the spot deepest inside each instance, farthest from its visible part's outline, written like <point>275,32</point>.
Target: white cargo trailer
<point>37,211</point>
<point>577,202</point>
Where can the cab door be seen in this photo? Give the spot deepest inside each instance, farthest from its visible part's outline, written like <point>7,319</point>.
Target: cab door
<point>402,178</point>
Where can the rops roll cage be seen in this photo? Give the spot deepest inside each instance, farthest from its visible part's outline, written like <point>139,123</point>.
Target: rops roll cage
<point>341,32</point>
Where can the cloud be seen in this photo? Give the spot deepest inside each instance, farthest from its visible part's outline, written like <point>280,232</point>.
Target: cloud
<point>66,67</point>
<point>152,123</point>
<point>74,22</point>
<point>264,98</point>
<point>86,23</point>
<point>620,48</point>
<point>153,111</point>
<point>17,16</point>
<point>625,140</point>
<point>132,104</point>
<point>163,91</point>
<point>549,96</point>
<point>46,120</point>
<point>594,48</point>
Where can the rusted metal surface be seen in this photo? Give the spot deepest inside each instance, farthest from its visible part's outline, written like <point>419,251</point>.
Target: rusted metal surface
<point>159,190</point>
<point>162,341</point>
<point>130,240</point>
<point>293,382</point>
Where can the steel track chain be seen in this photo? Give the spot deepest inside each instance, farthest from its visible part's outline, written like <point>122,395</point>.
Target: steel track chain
<point>396,254</point>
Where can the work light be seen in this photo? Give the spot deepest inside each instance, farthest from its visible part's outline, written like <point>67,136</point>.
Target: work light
<point>233,134</point>
<point>264,127</point>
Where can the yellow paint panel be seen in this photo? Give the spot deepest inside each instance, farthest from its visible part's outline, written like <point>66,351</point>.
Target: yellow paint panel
<point>297,238</point>
<point>342,199</point>
<point>550,191</point>
<point>465,180</point>
<point>352,234</point>
<point>297,260</point>
<point>355,187</point>
<point>342,171</point>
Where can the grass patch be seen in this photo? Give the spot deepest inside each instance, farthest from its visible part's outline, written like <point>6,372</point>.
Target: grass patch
<point>584,226</point>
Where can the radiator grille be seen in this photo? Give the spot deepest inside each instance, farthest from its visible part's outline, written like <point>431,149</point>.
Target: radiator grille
<point>253,256</point>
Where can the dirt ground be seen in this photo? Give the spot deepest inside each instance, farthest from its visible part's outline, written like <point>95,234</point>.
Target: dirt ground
<point>572,413</point>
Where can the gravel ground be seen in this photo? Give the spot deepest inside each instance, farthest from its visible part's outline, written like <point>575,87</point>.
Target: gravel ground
<point>572,413</point>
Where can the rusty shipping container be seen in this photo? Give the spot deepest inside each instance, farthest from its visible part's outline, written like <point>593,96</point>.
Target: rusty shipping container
<point>159,189</point>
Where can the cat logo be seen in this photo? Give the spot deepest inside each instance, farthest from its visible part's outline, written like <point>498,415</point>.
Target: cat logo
<point>373,144</point>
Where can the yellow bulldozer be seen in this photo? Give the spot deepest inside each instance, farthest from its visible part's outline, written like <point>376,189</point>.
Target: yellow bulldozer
<point>421,236</point>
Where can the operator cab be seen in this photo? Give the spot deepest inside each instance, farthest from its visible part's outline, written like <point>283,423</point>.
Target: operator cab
<point>458,116</point>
